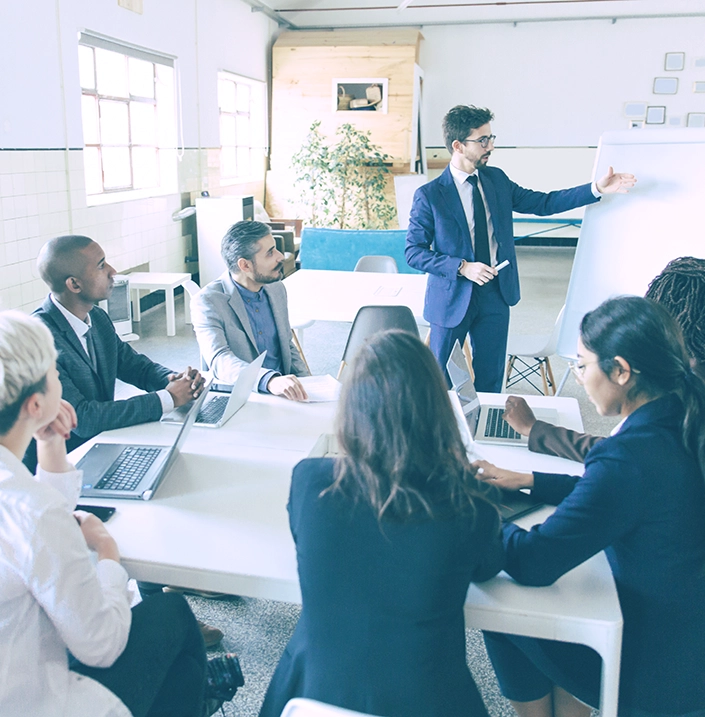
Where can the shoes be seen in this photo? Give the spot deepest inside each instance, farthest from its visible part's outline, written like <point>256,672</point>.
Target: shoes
<point>207,594</point>
<point>223,679</point>
<point>211,635</point>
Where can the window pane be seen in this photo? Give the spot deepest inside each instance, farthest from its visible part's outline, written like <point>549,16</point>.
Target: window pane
<point>89,112</point>
<point>86,71</point>
<point>228,162</point>
<point>228,132</point>
<point>243,130</point>
<point>166,112</point>
<point>141,77</point>
<point>111,69</point>
<point>257,166</point>
<point>243,162</point>
<point>226,95</point>
<point>144,167</point>
<point>113,122</point>
<point>116,167</point>
<point>243,97</point>
<point>143,123</point>
<point>94,174</point>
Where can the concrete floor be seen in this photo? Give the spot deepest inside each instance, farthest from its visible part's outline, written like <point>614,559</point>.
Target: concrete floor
<point>258,630</point>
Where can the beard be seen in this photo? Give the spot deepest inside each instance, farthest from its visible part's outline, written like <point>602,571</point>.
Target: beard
<point>277,275</point>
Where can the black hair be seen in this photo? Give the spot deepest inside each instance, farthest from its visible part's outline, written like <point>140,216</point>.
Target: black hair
<point>461,120</point>
<point>403,453</point>
<point>240,242</point>
<point>58,260</point>
<point>680,288</point>
<point>648,338</point>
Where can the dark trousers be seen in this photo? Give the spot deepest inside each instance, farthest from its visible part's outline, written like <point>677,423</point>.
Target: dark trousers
<point>162,671</point>
<point>527,668</point>
<point>487,323</point>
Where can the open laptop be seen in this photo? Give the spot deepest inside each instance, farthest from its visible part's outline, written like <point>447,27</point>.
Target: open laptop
<point>219,408</point>
<point>485,421</point>
<point>120,470</point>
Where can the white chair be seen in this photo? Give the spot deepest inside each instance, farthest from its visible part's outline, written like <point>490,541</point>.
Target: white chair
<point>531,352</point>
<point>300,707</point>
<point>377,264</point>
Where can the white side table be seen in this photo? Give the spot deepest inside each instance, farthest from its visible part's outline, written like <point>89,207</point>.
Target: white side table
<point>152,281</point>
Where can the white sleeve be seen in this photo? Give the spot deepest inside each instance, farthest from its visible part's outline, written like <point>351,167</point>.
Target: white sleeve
<point>87,604</point>
<point>67,483</point>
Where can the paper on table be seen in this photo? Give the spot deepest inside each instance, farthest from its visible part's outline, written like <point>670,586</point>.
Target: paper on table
<point>321,388</point>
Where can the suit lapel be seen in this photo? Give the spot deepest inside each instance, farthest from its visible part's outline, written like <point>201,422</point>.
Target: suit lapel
<point>238,306</point>
<point>69,334</point>
<point>449,192</point>
<point>279,310</point>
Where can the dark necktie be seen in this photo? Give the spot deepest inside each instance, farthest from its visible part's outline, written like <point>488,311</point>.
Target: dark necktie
<point>91,349</point>
<point>482,239</point>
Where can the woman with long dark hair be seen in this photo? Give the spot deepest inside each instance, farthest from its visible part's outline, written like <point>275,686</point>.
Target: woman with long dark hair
<point>642,501</point>
<point>388,536</point>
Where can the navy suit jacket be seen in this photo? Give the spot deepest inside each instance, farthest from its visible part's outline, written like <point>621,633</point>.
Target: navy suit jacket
<point>642,501</point>
<point>381,628</point>
<point>92,393</point>
<point>438,238</point>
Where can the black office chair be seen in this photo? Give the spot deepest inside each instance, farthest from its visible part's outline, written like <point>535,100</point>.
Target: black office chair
<point>373,319</point>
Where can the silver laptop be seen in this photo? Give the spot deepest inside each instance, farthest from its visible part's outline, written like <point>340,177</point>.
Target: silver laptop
<point>485,421</point>
<point>119,470</point>
<point>219,408</point>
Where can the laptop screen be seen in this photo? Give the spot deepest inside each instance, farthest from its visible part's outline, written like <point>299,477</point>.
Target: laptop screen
<point>463,386</point>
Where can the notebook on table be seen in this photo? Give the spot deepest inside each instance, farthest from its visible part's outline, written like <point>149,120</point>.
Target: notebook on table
<point>220,407</point>
<point>485,420</point>
<point>120,470</point>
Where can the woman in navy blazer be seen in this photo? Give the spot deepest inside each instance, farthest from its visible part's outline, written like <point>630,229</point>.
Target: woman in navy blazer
<point>642,501</point>
<point>388,536</point>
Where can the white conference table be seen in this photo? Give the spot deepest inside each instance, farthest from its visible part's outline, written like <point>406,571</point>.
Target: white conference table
<point>219,522</point>
<point>321,295</point>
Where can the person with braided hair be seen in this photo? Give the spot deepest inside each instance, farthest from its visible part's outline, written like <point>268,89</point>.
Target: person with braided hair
<point>642,501</point>
<point>680,289</point>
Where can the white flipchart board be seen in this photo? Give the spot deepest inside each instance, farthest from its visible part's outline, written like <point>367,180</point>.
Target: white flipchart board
<point>626,240</point>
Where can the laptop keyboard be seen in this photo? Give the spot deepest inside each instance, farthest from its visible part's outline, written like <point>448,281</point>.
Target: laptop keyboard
<point>213,411</point>
<point>128,469</point>
<point>497,427</point>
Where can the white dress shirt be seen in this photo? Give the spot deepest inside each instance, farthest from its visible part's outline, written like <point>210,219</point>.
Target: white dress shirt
<point>465,191</point>
<point>54,598</point>
<point>81,329</point>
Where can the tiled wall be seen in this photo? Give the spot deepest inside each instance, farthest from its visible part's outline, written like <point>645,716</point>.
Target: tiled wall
<point>42,195</point>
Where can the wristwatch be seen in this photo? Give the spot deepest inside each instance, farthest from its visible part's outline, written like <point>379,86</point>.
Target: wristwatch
<point>460,268</point>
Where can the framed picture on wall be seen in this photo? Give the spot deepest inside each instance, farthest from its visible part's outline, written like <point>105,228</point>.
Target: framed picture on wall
<point>665,85</point>
<point>696,119</point>
<point>656,115</point>
<point>675,61</point>
<point>699,86</point>
<point>635,110</point>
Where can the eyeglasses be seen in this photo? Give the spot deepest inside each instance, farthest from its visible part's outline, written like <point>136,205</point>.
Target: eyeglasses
<point>482,141</point>
<point>578,369</point>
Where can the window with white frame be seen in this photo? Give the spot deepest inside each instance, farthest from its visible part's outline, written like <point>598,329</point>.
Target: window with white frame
<point>242,105</point>
<point>129,118</point>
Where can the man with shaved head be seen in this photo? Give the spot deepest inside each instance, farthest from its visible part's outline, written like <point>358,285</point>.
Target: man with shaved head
<point>91,354</point>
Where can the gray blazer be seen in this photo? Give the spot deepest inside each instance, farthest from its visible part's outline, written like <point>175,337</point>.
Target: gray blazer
<point>224,333</point>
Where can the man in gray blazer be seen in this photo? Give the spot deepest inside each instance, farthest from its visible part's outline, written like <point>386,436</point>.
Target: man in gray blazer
<point>244,312</point>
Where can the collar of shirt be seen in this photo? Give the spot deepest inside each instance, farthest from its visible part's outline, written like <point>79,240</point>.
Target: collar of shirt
<point>459,176</point>
<point>248,295</point>
<point>13,463</point>
<point>80,327</point>
<point>618,427</point>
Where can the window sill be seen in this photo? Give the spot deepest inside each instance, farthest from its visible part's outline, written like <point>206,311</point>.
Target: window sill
<point>96,200</point>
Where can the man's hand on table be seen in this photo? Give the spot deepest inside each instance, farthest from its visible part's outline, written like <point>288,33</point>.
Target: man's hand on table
<point>185,386</point>
<point>287,386</point>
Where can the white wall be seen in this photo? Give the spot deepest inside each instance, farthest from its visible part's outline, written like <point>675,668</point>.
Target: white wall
<point>557,84</point>
<point>42,188</point>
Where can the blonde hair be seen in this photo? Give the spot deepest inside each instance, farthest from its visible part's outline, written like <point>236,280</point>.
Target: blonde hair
<point>26,354</point>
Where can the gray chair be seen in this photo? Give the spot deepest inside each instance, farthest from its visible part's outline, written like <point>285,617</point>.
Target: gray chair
<point>373,319</point>
<point>377,264</point>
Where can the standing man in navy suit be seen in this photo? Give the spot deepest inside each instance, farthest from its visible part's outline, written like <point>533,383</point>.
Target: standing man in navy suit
<point>460,232</point>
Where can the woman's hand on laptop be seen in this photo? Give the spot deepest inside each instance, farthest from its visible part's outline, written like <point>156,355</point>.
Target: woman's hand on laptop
<point>508,480</point>
<point>518,415</point>
<point>287,386</point>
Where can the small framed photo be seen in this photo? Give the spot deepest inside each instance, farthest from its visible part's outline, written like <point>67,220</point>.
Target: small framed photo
<point>675,61</point>
<point>696,119</point>
<point>635,110</point>
<point>665,85</point>
<point>699,86</point>
<point>656,115</point>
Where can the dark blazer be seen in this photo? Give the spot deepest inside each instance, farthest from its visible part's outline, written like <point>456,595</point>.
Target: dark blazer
<point>642,501</point>
<point>92,393</point>
<point>438,237</point>
<point>557,441</point>
<point>382,628</point>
